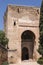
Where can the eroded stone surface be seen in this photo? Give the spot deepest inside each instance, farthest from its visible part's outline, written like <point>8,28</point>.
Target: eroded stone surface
<point>26,18</point>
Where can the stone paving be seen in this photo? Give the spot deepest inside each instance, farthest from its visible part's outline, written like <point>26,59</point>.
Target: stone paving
<point>26,63</point>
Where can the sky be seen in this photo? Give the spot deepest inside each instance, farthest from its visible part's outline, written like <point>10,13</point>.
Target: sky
<point>4,4</point>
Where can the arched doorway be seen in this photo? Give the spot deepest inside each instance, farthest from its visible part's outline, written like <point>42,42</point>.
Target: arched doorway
<point>27,44</point>
<point>25,54</point>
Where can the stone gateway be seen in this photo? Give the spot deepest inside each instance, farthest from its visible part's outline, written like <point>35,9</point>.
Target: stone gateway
<point>21,25</point>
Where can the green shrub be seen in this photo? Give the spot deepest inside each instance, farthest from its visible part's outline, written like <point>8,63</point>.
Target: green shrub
<point>5,63</point>
<point>40,50</point>
<point>40,61</point>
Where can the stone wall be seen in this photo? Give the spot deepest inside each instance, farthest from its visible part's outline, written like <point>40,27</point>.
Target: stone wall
<point>18,19</point>
<point>3,54</point>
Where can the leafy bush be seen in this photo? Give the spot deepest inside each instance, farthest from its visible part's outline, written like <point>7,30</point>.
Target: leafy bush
<point>40,60</point>
<point>3,38</point>
<point>40,50</point>
<point>5,63</point>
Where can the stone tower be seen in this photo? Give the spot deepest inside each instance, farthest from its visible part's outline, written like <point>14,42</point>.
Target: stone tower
<point>21,25</point>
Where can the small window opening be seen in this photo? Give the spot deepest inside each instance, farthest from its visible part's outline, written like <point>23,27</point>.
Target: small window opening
<point>14,23</point>
<point>38,11</point>
<point>18,10</point>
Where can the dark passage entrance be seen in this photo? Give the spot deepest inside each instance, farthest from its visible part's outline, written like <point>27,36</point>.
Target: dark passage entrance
<point>27,44</point>
<point>25,54</point>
